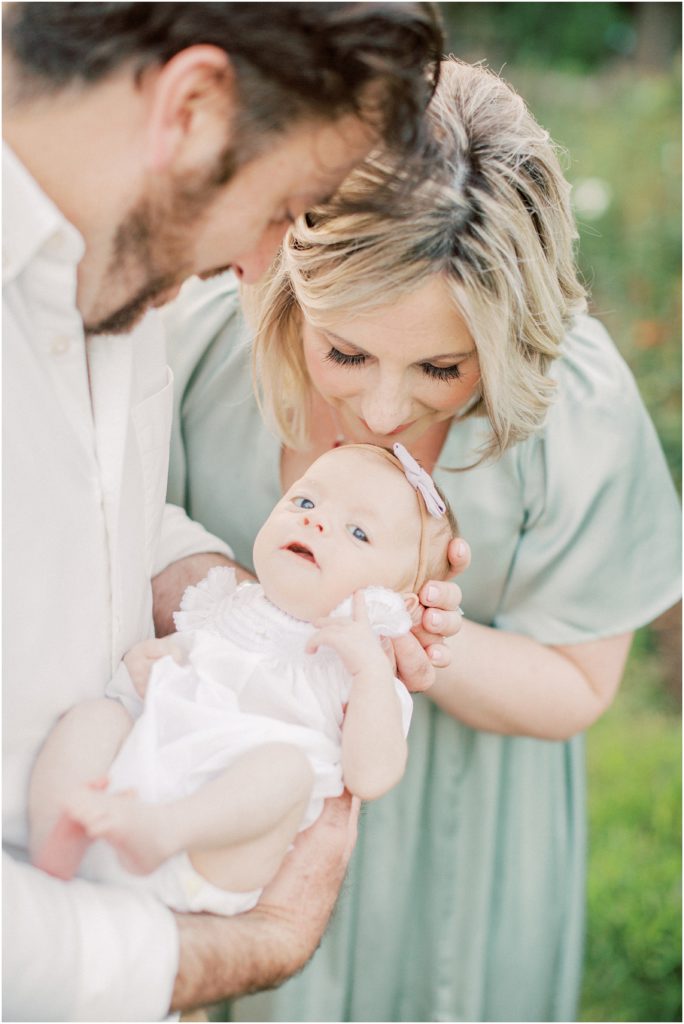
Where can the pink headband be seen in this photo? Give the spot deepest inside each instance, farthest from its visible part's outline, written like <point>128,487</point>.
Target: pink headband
<point>421,481</point>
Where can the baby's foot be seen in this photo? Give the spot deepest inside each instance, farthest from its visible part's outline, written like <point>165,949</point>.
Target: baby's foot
<point>134,829</point>
<point>63,850</point>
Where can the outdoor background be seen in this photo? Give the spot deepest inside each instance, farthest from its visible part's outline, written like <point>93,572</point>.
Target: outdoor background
<point>605,80</point>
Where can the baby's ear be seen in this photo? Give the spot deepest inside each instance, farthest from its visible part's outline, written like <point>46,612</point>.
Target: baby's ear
<point>413,607</point>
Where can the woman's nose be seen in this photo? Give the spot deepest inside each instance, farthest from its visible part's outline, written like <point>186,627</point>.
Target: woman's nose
<point>385,409</point>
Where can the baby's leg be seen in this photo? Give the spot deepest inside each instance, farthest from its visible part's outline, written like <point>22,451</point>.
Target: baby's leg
<point>236,827</point>
<point>77,753</point>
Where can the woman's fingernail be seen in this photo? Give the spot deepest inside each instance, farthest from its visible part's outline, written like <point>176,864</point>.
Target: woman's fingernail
<point>431,593</point>
<point>437,655</point>
<point>460,548</point>
<point>435,618</point>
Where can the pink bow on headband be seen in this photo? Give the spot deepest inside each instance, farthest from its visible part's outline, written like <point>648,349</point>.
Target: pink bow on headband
<point>421,481</point>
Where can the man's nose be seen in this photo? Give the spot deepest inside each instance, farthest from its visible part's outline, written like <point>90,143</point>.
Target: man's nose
<point>254,264</point>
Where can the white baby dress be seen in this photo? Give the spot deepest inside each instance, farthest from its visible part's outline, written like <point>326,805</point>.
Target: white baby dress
<point>247,681</point>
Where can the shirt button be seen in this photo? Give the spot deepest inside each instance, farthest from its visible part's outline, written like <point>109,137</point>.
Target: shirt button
<point>60,344</point>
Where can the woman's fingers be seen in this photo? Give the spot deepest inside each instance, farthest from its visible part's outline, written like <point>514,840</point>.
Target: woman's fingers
<point>442,614</point>
<point>414,667</point>
<point>459,555</point>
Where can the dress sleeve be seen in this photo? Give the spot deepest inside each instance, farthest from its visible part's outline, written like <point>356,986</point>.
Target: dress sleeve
<point>82,951</point>
<point>202,311</point>
<point>599,553</point>
<point>202,603</point>
<point>385,608</point>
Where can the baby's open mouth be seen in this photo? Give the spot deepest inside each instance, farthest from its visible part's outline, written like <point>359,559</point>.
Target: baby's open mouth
<point>302,551</point>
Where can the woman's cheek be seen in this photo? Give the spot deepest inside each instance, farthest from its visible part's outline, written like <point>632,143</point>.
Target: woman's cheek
<point>333,380</point>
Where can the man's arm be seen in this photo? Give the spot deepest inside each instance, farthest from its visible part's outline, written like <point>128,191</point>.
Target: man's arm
<point>169,585</point>
<point>225,957</point>
<point>185,554</point>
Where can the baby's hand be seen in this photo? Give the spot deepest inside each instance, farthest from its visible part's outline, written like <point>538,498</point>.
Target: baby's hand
<point>141,658</point>
<point>353,639</point>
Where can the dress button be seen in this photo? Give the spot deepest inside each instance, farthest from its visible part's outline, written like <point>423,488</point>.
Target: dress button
<point>60,344</point>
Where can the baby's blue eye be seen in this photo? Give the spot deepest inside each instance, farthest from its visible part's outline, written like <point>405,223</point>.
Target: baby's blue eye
<point>303,502</point>
<point>358,533</point>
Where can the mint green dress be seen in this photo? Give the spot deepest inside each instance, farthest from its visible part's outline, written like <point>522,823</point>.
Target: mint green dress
<point>465,898</point>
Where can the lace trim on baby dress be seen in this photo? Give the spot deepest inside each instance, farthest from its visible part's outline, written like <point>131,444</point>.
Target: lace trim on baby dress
<point>245,615</point>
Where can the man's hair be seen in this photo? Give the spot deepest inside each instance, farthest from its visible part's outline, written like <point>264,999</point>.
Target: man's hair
<point>493,218</point>
<point>292,60</point>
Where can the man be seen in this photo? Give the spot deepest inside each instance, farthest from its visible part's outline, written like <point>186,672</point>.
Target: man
<point>146,143</point>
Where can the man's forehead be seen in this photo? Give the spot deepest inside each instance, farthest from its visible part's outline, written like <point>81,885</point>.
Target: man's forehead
<point>334,149</point>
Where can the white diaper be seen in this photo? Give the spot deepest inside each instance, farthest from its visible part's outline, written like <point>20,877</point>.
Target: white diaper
<point>175,882</point>
<point>181,887</point>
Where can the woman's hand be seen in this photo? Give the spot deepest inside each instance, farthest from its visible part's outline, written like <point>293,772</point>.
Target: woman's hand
<point>421,651</point>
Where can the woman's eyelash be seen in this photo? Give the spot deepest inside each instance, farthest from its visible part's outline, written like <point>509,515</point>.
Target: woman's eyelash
<point>445,373</point>
<point>442,372</point>
<point>335,356</point>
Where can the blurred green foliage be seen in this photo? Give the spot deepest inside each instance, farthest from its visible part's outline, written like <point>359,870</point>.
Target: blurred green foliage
<point>571,36</point>
<point>605,80</point>
<point>621,134</point>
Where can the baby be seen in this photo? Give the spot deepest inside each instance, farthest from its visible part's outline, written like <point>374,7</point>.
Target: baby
<point>271,697</point>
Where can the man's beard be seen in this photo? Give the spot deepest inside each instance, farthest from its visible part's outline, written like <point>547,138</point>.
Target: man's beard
<point>153,248</point>
<point>153,242</point>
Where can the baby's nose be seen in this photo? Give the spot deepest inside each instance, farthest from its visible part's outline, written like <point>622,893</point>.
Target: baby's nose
<point>315,523</point>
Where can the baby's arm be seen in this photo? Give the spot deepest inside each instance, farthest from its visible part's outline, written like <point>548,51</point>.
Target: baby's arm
<point>373,742</point>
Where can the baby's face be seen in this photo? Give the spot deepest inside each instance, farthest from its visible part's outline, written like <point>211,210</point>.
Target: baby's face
<point>351,521</point>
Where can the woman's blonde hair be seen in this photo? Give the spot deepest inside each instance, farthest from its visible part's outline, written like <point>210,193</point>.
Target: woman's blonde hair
<point>493,218</point>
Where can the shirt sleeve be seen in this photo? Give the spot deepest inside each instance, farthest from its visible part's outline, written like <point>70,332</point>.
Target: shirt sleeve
<point>80,951</point>
<point>181,537</point>
<point>600,550</point>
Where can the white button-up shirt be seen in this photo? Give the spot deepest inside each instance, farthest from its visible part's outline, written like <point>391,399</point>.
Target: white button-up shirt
<point>85,449</point>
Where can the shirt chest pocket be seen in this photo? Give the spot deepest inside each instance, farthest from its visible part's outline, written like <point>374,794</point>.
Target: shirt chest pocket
<point>152,428</point>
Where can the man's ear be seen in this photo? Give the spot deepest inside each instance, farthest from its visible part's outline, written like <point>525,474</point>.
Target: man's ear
<point>413,607</point>
<point>192,108</point>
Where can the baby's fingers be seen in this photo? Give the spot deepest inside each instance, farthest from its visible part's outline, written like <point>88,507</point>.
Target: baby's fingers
<point>329,635</point>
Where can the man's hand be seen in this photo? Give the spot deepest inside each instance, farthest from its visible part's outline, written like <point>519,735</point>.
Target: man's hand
<point>421,651</point>
<point>222,958</point>
<point>141,658</point>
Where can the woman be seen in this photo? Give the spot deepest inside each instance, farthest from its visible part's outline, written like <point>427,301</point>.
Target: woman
<point>458,329</point>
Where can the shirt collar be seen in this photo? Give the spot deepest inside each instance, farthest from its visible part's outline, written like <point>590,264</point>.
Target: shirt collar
<point>31,221</point>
